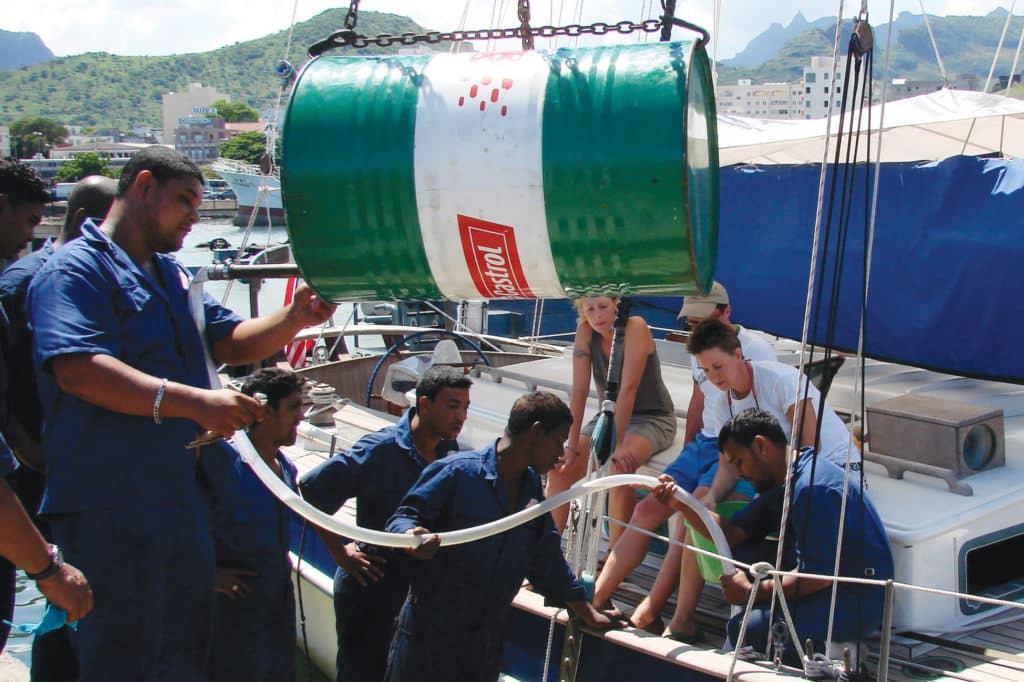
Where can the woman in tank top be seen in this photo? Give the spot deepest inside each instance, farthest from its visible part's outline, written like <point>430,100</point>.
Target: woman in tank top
<point>644,418</point>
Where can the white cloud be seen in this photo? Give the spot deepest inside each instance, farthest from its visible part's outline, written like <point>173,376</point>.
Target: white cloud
<point>179,26</point>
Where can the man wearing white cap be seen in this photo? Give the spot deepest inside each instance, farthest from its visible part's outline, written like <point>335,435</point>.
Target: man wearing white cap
<point>694,469</point>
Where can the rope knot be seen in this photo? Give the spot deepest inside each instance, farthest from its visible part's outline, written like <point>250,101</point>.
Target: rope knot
<point>761,570</point>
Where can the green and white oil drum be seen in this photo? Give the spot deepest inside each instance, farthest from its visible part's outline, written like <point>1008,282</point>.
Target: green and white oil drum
<point>504,175</point>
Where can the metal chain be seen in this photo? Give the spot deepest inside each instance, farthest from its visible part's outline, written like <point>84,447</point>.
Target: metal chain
<point>349,38</point>
<point>524,25</point>
<point>352,16</point>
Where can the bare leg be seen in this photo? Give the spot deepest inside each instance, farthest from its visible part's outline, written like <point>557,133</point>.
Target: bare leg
<point>631,548</point>
<point>690,585</point>
<point>648,611</point>
<point>628,457</point>
<point>562,477</point>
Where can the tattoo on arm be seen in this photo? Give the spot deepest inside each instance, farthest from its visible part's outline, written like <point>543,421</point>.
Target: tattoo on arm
<point>580,353</point>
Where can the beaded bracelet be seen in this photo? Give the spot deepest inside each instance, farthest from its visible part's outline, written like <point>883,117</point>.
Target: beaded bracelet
<point>159,399</point>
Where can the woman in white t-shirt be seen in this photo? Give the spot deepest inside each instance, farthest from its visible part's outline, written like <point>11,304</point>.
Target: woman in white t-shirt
<point>773,387</point>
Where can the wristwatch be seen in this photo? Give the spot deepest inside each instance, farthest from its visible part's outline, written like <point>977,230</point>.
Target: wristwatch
<point>56,560</point>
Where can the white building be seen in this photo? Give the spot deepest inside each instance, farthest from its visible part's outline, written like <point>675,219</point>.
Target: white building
<point>5,142</point>
<point>76,136</point>
<point>182,105</point>
<point>764,100</point>
<point>821,85</point>
<point>112,151</point>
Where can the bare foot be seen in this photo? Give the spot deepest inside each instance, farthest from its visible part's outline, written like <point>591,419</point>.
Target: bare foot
<point>611,610</point>
<point>645,618</point>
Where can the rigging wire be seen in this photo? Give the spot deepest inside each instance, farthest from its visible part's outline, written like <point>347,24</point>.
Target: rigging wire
<point>714,47</point>
<point>1016,59</point>
<point>812,270</point>
<point>456,46</point>
<point>999,47</point>
<point>935,46</point>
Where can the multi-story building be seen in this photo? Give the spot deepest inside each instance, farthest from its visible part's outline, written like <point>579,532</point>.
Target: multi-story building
<point>821,86</point>
<point>116,154</point>
<point>77,136</point>
<point>178,105</point>
<point>763,100</point>
<point>902,88</point>
<point>198,135</point>
<point>5,142</point>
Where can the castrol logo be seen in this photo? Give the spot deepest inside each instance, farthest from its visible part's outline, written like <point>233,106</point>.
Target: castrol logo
<point>493,258</point>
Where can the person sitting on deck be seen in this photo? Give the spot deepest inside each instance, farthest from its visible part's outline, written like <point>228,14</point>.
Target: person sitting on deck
<point>756,447</point>
<point>644,419</point>
<point>452,626</point>
<point>378,470</point>
<point>254,613</point>
<point>771,386</point>
<point>694,469</point>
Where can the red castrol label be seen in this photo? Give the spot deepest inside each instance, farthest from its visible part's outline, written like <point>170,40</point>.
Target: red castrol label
<point>479,177</point>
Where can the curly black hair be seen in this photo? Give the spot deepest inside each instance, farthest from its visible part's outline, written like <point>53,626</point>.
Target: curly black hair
<point>539,406</point>
<point>273,382</point>
<point>20,184</point>
<point>749,423</point>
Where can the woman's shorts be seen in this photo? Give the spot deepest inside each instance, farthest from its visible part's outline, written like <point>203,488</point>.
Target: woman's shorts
<point>657,429</point>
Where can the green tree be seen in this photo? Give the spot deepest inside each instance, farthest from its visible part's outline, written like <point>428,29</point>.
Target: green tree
<point>34,134</point>
<point>82,166</point>
<point>244,147</point>
<point>234,112</point>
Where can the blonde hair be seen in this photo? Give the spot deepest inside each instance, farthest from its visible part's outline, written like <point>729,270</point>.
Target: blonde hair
<point>578,303</point>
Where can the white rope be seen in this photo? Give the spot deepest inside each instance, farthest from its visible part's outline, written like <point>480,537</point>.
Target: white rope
<point>271,136</point>
<point>577,19</point>
<point>495,16</point>
<point>561,13</point>
<point>792,453</point>
<point>999,47</point>
<point>714,45</point>
<point>550,644</point>
<point>1016,59</point>
<point>263,189</point>
<point>456,45</point>
<point>935,46</point>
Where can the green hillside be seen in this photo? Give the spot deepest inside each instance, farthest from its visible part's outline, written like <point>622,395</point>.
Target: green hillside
<point>967,45</point>
<point>101,89</point>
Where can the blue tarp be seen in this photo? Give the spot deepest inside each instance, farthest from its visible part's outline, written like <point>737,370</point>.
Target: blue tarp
<point>945,288</point>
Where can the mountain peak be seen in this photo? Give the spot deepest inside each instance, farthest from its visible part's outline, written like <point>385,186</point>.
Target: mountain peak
<point>18,49</point>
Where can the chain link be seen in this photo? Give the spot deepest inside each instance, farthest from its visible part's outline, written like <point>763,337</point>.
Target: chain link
<point>352,16</point>
<point>524,25</point>
<point>349,38</point>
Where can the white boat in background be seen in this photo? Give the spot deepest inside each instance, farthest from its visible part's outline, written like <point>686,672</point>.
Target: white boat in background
<point>254,191</point>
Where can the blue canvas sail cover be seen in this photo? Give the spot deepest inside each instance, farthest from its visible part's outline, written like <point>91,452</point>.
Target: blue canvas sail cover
<point>946,274</point>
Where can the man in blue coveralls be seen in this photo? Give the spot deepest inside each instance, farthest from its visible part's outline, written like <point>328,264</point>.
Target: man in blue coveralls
<point>254,617</point>
<point>452,624</point>
<point>371,583</point>
<point>124,383</point>
<point>22,197</point>
<point>754,443</point>
<point>91,197</point>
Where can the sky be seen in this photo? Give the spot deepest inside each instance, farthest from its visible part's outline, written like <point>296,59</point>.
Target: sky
<point>159,27</point>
